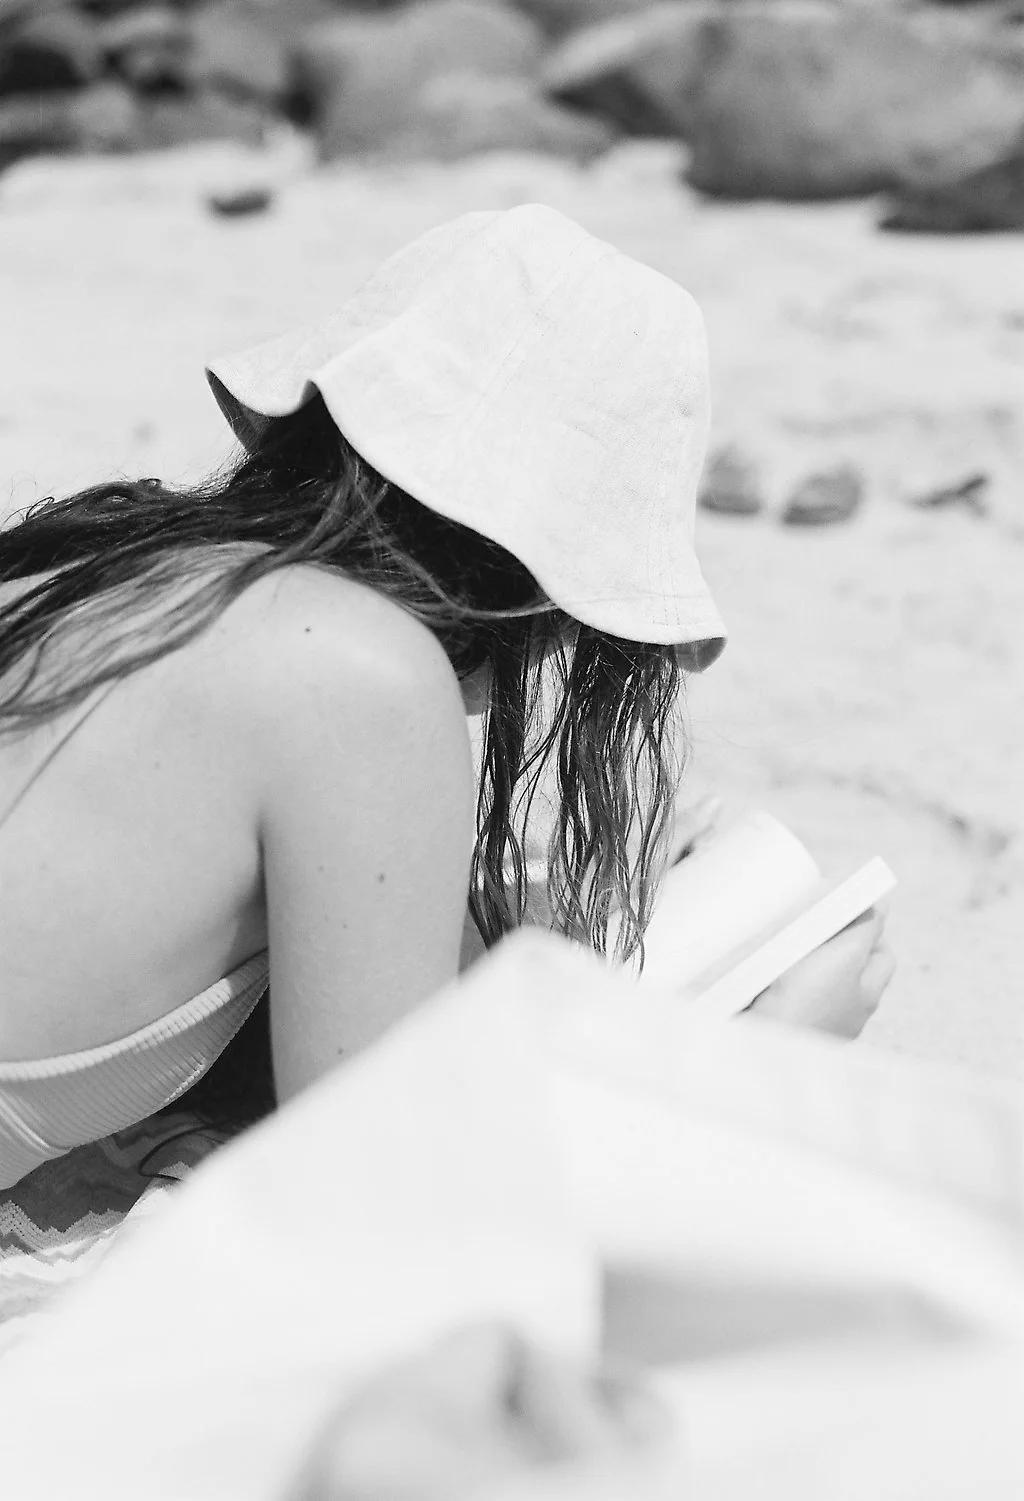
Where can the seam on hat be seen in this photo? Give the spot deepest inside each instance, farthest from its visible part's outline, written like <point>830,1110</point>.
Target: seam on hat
<point>472,419</point>
<point>656,513</point>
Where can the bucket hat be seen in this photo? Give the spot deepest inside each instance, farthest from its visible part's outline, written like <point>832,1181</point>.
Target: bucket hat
<point>517,375</point>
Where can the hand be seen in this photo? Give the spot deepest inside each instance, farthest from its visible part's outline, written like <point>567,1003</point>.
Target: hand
<point>482,1414</point>
<point>837,988</point>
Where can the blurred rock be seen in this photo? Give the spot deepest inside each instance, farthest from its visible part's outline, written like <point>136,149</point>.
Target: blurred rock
<point>233,48</point>
<point>641,70</point>
<point>12,11</point>
<point>801,99</point>
<point>181,121</point>
<point>34,122</point>
<point>971,492</point>
<point>459,114</point>
<point>241,203</point>
<point>825,498</point>
<point>360,75</point>
<point>990,199</point>
<point>148,46</point>
<point>730,484</point>
<point>288,19</point>
<point>104,117</point>
<point>111,117</point>
<point>160,179</point>
<point>49,49</point>
<point>561,17</point>
<point>107,7</point>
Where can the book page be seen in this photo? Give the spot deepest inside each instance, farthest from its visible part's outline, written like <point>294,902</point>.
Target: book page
<point>743,880</point>
<point>740,976</point>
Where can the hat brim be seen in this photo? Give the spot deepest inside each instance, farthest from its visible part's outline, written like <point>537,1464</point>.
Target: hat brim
<point>689,621</point>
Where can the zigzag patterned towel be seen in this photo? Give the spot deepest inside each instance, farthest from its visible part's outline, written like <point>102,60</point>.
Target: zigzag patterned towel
<point>59,1221</point>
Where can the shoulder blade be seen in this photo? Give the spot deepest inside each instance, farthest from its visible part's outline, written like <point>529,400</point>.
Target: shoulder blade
<point>366,815</point>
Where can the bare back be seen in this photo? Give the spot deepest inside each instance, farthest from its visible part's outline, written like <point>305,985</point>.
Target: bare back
<point>134,870</point>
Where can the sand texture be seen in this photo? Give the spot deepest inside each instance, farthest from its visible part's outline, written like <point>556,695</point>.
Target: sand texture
<point>871,694</point>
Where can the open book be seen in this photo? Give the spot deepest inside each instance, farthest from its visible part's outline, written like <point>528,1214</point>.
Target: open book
<point>744,907</point>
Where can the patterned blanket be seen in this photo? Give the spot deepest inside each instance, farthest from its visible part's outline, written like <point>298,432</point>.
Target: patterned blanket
<point>57,1223</point>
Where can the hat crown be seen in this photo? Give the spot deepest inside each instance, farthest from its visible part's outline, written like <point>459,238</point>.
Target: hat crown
<point>507,266</point>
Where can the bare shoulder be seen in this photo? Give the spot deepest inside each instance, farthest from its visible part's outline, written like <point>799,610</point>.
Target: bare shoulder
<point>360,759</point>
<point>305,614</point>
<point>304,642</point>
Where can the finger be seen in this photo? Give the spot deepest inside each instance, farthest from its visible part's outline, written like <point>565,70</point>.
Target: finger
<point>850,949</point>
<point>877,915</point>
<point>870,919</point>
<point>880,940</point>
<point>853,945</point>
<point>878,971</point>
<point>876,928</point>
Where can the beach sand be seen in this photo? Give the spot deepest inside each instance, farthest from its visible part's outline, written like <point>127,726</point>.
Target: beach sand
<point>871,694</point>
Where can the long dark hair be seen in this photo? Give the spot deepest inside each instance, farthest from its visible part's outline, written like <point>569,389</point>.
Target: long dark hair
<point>136,569</point>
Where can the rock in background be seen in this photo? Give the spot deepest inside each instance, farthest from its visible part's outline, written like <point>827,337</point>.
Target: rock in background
<point>441,78</point>
<point>801,98</point>
<point>643,70</point>
<point>460,114</point>
<point>134,77</point>
<point>559,18</point>
<point>790,99</point>
<point>990,199</point>
<point>362,76</point>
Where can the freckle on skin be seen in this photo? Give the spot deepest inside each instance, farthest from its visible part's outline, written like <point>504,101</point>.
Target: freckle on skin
<point>380,879</point>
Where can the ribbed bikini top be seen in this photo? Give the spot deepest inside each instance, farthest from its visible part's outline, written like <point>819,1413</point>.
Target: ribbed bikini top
<point>50,1105</point>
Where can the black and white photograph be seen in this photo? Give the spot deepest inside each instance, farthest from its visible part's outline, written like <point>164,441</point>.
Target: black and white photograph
<point>512,750</point>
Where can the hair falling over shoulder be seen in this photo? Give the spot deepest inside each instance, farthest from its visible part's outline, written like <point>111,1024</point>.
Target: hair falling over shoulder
<point>133,570</point>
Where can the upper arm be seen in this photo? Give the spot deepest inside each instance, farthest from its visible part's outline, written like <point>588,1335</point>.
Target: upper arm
<point>366,824</point>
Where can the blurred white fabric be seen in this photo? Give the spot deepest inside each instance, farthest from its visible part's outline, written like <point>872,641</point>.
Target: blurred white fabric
<point>820,1251</point>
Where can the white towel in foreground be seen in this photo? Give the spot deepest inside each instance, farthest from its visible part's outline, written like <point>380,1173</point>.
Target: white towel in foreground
<point>821,1250</point>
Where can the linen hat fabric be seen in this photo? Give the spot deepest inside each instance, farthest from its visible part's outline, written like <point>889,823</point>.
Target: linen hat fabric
<point>519,376</point>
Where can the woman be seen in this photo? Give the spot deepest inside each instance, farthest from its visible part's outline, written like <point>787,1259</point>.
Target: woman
<point>233,732</point>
